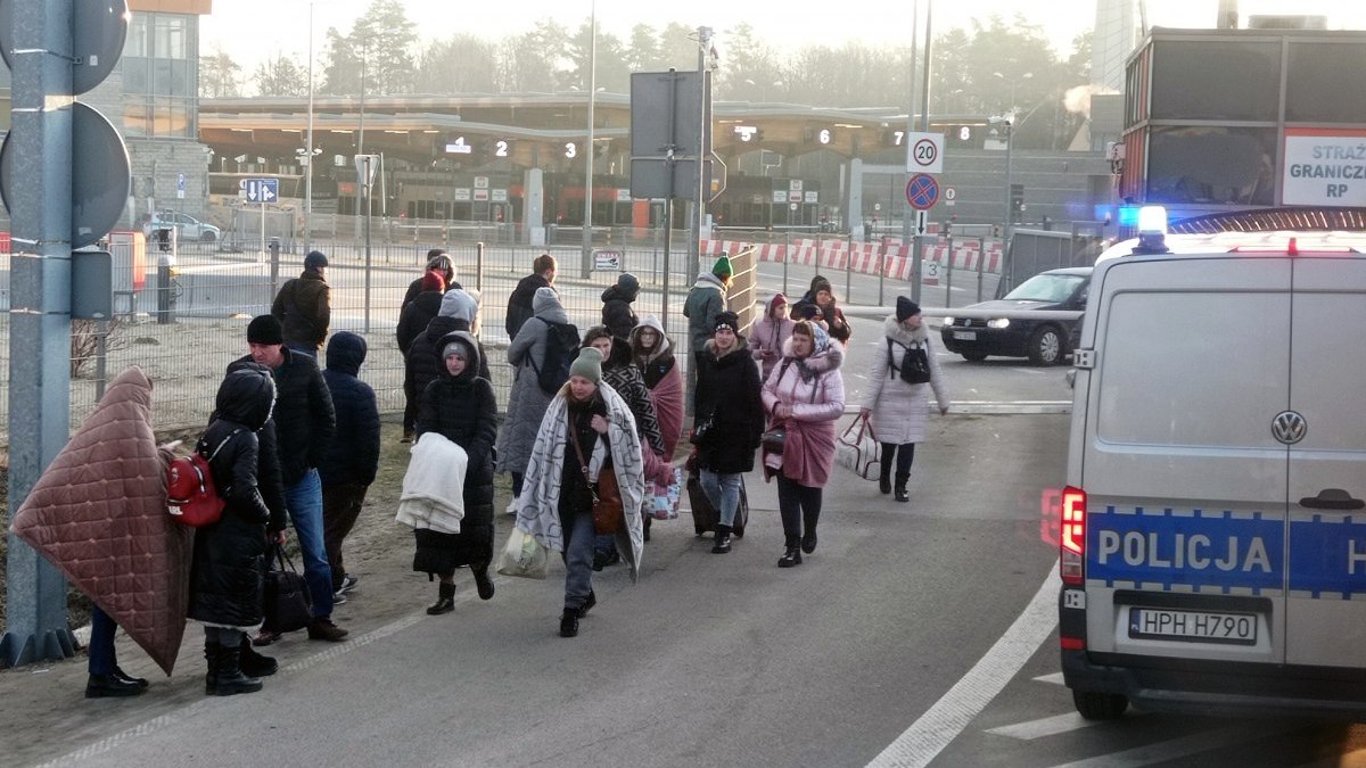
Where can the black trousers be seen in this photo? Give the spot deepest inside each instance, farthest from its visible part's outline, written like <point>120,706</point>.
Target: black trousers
<point>800,507</point>
<point>904,453</point>
<point>342,504</point>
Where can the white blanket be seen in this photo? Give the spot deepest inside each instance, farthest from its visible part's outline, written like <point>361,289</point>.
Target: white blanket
<point>434,486</point>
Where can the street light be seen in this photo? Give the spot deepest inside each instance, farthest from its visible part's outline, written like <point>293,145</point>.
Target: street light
<point>1004,124</point>
<point>587,260</point>
<point>310,151</point>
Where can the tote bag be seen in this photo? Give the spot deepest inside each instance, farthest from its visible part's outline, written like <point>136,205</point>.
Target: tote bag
<point>858,449</point>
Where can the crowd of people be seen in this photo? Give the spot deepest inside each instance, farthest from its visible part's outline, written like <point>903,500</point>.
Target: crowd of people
<point>593,419</point>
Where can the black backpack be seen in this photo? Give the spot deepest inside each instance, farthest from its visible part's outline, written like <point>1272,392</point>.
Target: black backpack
<point>561,347</point>
<point>915,364</point>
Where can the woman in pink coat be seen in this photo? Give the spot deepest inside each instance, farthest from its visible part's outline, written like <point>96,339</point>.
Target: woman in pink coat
<point>804,395</point>
<point>767,337</point>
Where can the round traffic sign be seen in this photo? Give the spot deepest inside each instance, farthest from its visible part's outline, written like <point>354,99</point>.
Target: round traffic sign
<point>924,153</point>
<point>922,191</point>
<point>99,31</point>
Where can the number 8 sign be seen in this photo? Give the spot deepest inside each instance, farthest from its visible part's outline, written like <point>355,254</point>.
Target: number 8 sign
<point>924,153</point>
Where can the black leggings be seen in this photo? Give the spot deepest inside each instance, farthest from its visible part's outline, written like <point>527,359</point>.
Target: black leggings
<point>799,505</point>
<point>903,458</point>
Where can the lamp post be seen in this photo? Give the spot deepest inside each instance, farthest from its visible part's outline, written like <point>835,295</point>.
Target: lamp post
<point>309,152</point>
<point>588,149</point>
<point>1004,124</point>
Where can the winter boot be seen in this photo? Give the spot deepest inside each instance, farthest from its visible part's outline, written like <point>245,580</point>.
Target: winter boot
<point>105,686</point>
<point>211,650</point>
<point>255,664</point>
<point>445,599</point>
<point>792,555</point>
<point>901,494</point>
<point>884,480</point>
<point>588,604</point>
<point>722,545</point>
<point>483,583</point>
<point>569,623</point>
<point>230,679</point>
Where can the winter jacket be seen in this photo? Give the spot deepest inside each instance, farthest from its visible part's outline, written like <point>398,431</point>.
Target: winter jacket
<point>304,307</point>
<point>623,376</point>
<point>901,410</point>
<point>304,420</point>
<point>416,314</point>
<point>767,337</point>
<point>527,401</point>
<point>617,314</point>
<point>353,456</point>
<point>228,567</point>
<point>423,360</point>
<point>464,410</point>
<point>814,388</point>
<point>705,301</point>
<point>415,290</point>
<point>728,396</point>
<point>836,325</point>
<point>521,304</point>
<point>665,382</point>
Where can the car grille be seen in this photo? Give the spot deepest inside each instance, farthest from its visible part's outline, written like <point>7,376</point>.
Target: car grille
<point>968,322</point>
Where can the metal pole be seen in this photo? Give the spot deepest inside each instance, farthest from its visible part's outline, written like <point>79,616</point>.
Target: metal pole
<point>479,266</point>
<point>308,141</point>
<point>360,138</point>
<point>882,270</point>
<point>948,277</point>
<point>703,47</point>
<point>1010,214</point>
<point>668,227</point>
<point>587,260</point>
<point>910,106</point>
<point>787,253</point>
<point>367,245</point>
<point>916,256</point>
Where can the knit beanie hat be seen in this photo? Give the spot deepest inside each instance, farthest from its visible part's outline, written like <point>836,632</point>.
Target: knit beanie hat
<point>459,305</point>
<point>726,320</point>
<point>265,329</point>
<point>722,267</point>
<point>820,283</point>
<point>588,365</point>
<point>905,308</point>
<point>433,280</point>
<point>315,259</point>
<point>628,283</point>
<point>456,348</point>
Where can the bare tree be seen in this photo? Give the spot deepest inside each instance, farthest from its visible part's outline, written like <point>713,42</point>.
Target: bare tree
<point>459,64</point>
<point>219,75</point>
<point>281,76</point>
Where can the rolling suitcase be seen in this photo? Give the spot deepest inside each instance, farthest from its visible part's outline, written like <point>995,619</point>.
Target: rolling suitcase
<point>705,516</point>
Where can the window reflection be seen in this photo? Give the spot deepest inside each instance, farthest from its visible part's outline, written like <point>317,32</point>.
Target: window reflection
<point>1208,164</point>
<point>158,77</point>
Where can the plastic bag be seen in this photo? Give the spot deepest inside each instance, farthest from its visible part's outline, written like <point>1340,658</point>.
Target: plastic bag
<point>523,556</point>
<point>664,499</point>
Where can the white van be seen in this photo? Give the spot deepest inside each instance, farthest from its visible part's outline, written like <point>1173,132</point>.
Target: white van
<point>1213,541</point>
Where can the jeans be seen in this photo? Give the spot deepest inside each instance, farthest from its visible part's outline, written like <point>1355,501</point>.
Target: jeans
<point>341,506</point>
<point>102,629</point>
<point>304,500</point>
<point>578,558</point>
<point>798,504</point>
<point>723,491</point>
<point>904,457</point>
<point>228,638</point>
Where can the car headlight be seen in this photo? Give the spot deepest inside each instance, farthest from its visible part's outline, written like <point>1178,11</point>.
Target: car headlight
<point>948,320</point>
<point>998,322</point>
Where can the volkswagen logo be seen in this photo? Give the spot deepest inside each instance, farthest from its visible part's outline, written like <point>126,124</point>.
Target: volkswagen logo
<point>1289,427</point>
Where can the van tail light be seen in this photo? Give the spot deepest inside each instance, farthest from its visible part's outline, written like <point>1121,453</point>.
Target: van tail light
<point>1072,538</point>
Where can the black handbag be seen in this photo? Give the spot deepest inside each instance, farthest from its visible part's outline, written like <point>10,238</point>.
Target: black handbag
<point>287,603</point>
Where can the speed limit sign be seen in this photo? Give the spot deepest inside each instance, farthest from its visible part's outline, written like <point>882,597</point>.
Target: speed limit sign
<point>924,153</point>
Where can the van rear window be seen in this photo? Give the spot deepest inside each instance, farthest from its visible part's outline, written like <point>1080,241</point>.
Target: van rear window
<point>1192,368</point>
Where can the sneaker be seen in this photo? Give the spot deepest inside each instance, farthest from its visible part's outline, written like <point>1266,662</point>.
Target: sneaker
<point>348,583</point>
<point>324,629</point>
<point>512,508</point>
<point>338,598</point>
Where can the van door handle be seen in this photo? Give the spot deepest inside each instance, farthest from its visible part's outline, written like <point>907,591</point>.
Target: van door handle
<point>1332,498</point>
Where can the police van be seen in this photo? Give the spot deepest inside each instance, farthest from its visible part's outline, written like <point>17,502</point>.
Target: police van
<point>1213,539</point>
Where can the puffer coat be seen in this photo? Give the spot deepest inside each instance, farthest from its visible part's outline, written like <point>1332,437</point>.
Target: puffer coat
<point>813,388</point>
<point>728,394</point>
<point>463,410</point>
<point>353,454</point>
<point>617,313</point>
<point>228,567</point>
<point>415,317</point>
<point>527,401</point>
<point>901,411</point>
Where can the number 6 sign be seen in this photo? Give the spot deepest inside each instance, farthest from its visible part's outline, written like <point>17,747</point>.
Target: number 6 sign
<point>924,153</point>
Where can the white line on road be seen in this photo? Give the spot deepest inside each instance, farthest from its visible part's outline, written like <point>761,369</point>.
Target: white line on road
<point>1054,678</point>
<point>942,723</point>
<point>1176,748</point>
<point>1047,726</point>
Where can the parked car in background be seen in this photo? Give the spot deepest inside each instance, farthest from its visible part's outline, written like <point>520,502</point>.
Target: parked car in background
<point>188,228</point>
<point>1043,341</point>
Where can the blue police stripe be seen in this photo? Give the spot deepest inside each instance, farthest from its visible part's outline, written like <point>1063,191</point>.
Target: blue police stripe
<point>1210,550</point>
<point>1328,556</point>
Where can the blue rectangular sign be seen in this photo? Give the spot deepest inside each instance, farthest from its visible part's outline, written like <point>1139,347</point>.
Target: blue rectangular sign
<point>263,190</point>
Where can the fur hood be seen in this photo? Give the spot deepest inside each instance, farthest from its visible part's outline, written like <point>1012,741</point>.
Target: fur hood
<point>828,356</point>
<point>894,330</point>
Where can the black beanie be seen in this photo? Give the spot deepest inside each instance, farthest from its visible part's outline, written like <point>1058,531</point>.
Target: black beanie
<point>905,308</point>
<point>315,259</point>
<point>727,319</point>
<point>265,329</point>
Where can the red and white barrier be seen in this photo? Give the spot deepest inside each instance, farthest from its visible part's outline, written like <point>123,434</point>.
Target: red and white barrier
<point>865,257</point>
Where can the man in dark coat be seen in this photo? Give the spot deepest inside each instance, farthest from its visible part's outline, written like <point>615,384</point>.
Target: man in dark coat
<point>617,314</point>
<point>304,422</point>
<point>440,264</point>
<point>412,322</point>
<point>520,302</point>
<point>304,306</point>
<point>349,467</point>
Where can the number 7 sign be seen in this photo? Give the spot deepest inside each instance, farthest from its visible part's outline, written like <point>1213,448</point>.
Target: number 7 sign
<point>924,152</point>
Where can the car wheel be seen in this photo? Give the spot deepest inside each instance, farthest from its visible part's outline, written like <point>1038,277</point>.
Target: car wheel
<point>1046,346</point>
<point>1094,705</point>
<point>974,357</point>
<point>208,236</point>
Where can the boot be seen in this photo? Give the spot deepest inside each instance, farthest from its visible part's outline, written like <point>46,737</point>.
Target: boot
<point>884,480</point>
<point>722,545</point>
<point>211,657</point>
<point>901,494</point>
<point>809,540</point>
<point>255,664</point>
<point>569,623</point>
<point>230,679</point>
<point>104,686</point>
<point>792,555</point>
<point>483,583</point>
<point>122,676</point>
<point>588,604</point>
<point>445,600</point>
<point>646,529</point>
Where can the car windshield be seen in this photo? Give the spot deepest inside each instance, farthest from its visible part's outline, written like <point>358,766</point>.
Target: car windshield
<point>1050,288</point>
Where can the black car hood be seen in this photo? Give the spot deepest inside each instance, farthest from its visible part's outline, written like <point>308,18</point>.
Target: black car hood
<point>1002,305</point>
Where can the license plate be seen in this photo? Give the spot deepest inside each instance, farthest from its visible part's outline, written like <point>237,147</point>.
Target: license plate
<point>965,335</point>
<point>1193,626</point>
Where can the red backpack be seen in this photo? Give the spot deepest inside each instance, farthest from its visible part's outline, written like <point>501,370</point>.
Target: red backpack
<point>191,497</point>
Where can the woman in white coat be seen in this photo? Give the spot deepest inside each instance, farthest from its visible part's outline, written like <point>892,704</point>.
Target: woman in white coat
<point>899,410</point>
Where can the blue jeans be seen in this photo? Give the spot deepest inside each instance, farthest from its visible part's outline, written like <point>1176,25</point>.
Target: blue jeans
<point>102,630</point>
<point>723,491</point>
<point>304,500</point>
<point>578,559</point>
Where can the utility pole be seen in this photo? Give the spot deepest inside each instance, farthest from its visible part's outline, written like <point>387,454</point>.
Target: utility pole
<point>308,141</point>
<point>587,260</point>
<point>698,219</point>
<point>917,258</point>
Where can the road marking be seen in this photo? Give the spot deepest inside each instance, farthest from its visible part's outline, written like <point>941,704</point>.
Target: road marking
<point>1054,678</point>
<point>1047,726</point>
<point>942,723</point>
<point>1177,748</point>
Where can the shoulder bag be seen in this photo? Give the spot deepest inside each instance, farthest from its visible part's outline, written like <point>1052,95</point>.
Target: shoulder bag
<point>608,510</point>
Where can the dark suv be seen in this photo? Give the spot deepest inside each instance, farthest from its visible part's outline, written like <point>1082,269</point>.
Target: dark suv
<point>1044,342</point>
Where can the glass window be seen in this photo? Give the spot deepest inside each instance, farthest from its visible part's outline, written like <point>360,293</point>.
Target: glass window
<point>1208,80</point>
<point>135,118</point>
<point>1212,165</point>
<point>136,74</point>
<point>170,37</point>
<point>1323,82</point>
<point>136,44</point>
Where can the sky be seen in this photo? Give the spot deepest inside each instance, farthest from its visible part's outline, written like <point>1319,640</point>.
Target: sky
<point>253,30</point>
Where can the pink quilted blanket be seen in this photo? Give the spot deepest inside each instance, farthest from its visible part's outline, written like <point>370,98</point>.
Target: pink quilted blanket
<point>98,513</point>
